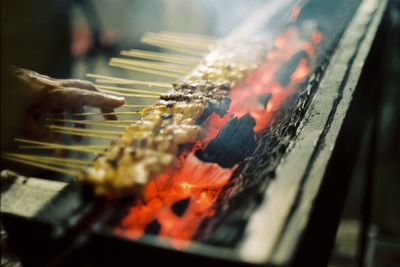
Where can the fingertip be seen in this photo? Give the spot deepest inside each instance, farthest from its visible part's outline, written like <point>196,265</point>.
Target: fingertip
<point>119,101</point>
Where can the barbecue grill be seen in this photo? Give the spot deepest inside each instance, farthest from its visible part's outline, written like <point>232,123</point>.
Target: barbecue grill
<point>282,202</point>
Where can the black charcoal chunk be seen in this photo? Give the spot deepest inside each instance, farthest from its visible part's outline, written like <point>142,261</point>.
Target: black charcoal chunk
<point>234,143</point>
<point>220,108</point>
<point>153,228</point>
<point>282,76</point>
<point>180,207</point>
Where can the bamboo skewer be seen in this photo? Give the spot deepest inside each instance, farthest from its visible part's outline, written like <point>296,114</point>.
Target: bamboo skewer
<point>135,106</point>
<point>110,122</point>
<point>49,147</point>
<point>110,113</point>
<point>48,160</point>
<point>129,95</point>
<point>105,81</point>
<point>111,79</point>
<point>153,65</point>
<point>146,70</point>
<point>46,167</point>
<point>184,43</point>
<point>95,123</point>
<point>121,89</point>
<point>195,44</point>
<point>52,159</point>
<point>107,137</point>
<point>94,131</point>
<point>46,145</point>
<point>160,56</point>
<point>173,47</point>
<point>192,36</point>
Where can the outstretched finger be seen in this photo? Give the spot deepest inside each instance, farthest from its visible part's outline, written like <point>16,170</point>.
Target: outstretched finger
<point>71,98</point>
<point>80,84</point>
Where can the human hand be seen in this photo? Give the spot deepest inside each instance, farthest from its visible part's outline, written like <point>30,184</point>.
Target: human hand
<point>55,97</point>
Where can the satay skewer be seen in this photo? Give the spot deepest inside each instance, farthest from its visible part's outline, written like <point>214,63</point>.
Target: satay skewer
<point>162,56</point>
<point>110,113</point>
<point>46,145</point>
<point>128,81</point>
<point>82,130</point>
<point>185,43</point>
<point>118,82</point>
<point>104,123</point>
<point>130,95</point>
<point>153,69</point>
<point>179,49</point>
<point>45,166</point>
<point>107,137</point>
<point>153,65</point>
<point>197,42</point>
<point>135,106</point>
<point>196,49</point>
<point>71,148</point>
<point>52,159</point>
<point>192,36</point>
<point>134,90</point>
<point>146,70</point>
<point>48,160</point>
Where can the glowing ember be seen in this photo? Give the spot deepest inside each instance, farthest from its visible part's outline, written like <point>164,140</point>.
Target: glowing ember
<point>196,182</point>
<point>176,201</point>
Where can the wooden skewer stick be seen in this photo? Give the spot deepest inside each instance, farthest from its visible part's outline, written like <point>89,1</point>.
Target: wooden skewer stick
<point>53,159</point>
<point>46,167</point>
<point>80,130</point>
<point>35,147</point>
<point>112,122</point>
<point>105,81</point>
<point>129,95</point>
<point>160,56</point>
<point>95,123</point>
<point>128,81</point>
<point>111,113</point>
<point>136,106</point>
<point>121,89</point>
<point>198,45</point>
<point>146,70</point>
<point>153,65</point>
<point>107,137</point>
<point>201,42</point>
<point>46,145</point>
<point>174,48</point>
<point>193,36</point>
